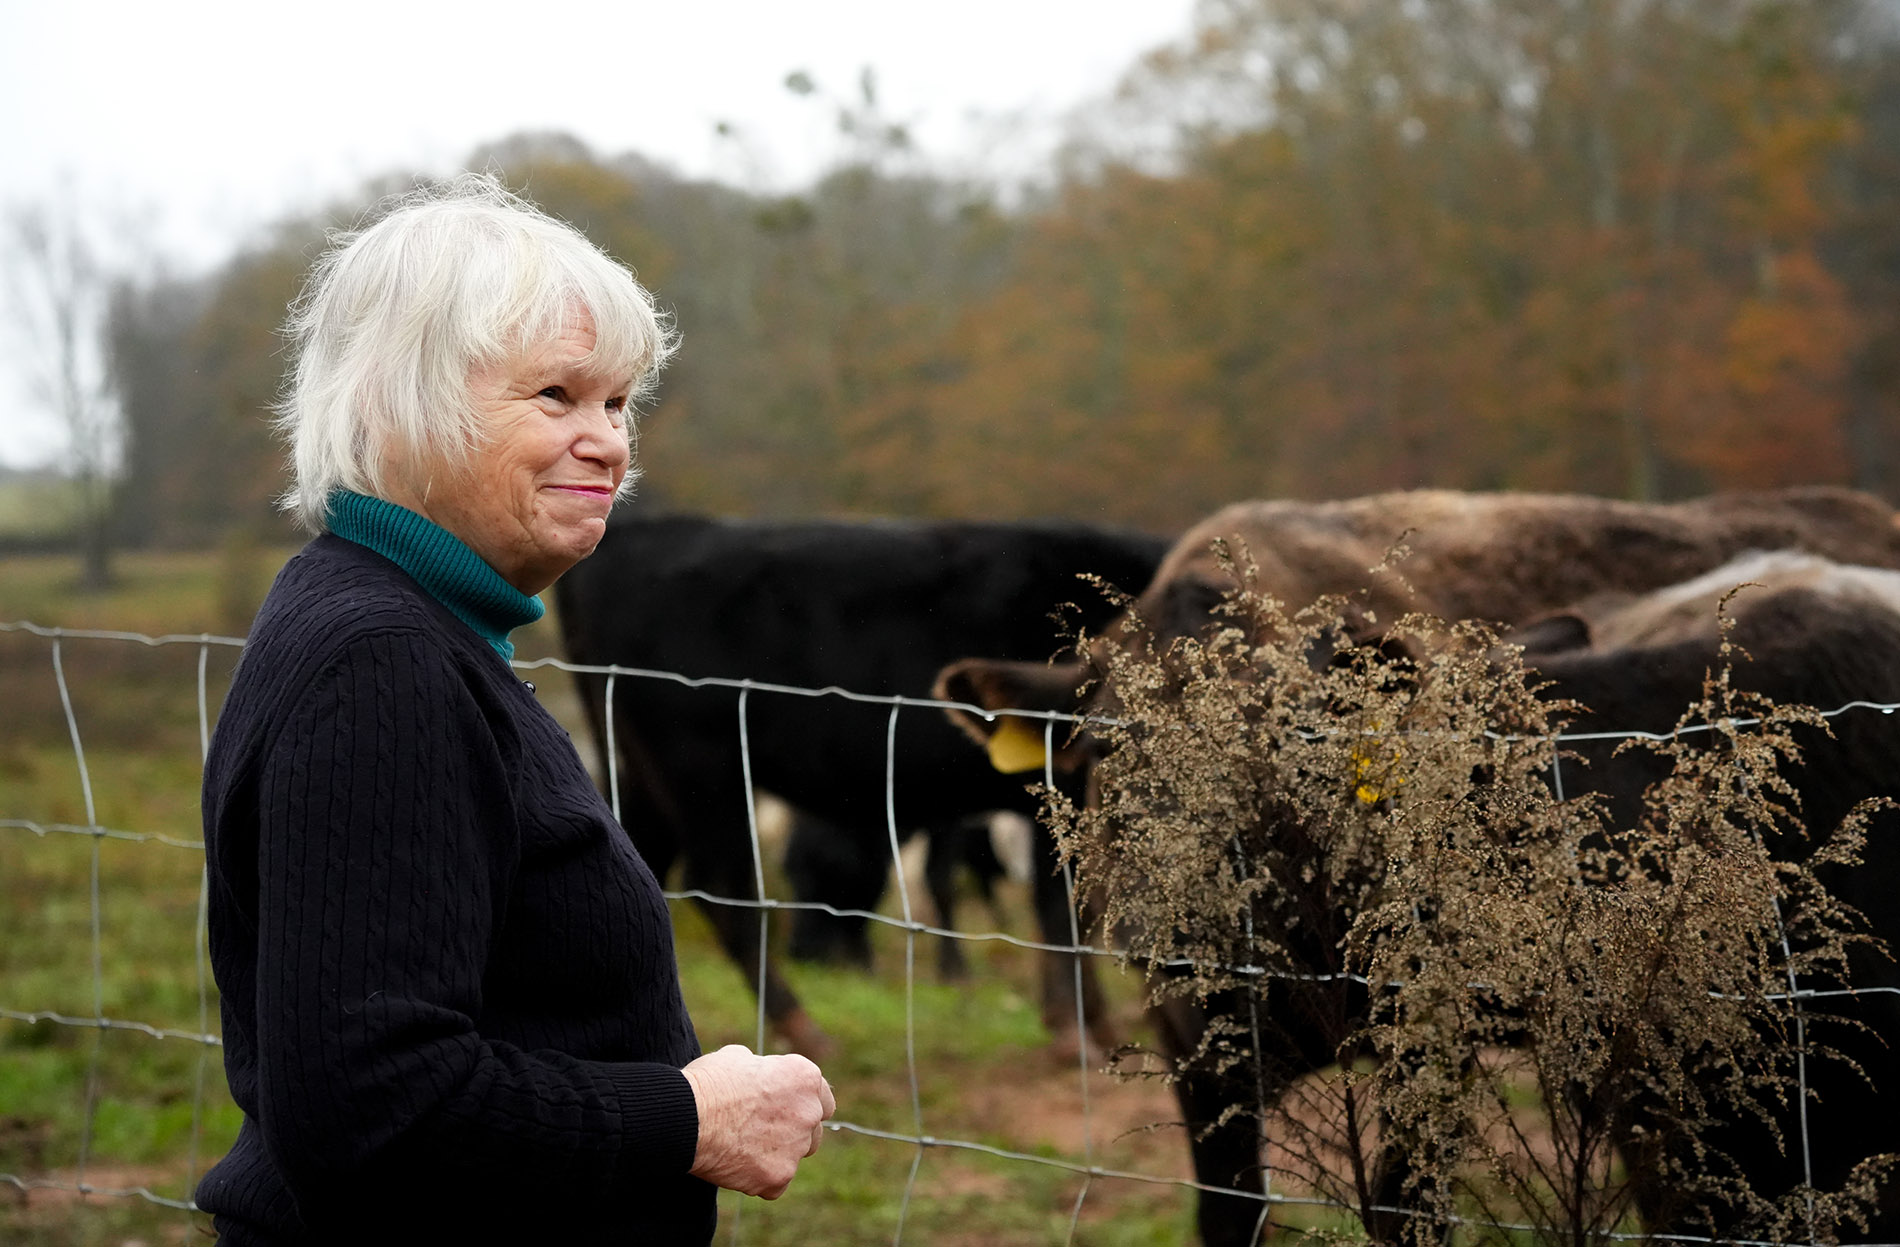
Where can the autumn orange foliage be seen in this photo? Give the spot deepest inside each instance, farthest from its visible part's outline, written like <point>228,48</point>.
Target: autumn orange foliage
<point>1633,247</point>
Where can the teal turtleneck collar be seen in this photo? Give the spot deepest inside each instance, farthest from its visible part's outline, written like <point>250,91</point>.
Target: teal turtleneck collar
<point>453,574</point>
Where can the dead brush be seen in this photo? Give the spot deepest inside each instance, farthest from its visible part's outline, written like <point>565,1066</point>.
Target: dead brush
<point>1350,858</point>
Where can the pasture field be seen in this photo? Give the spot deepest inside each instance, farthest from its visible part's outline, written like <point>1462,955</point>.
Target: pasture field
<point>34,507</point>
<point>160,1112</point>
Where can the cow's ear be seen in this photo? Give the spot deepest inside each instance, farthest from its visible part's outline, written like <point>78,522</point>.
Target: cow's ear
<point>1565,630</point>
<point>1014,742</point>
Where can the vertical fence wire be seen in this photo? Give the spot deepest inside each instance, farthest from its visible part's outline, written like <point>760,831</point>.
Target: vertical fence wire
<point>1081,1000</point>
<point>758,858</point>
<point>613,753</point>
<point>98,943</point>
<point>1259,1066</point>
<point>1800,1046</point>
<point>200,938</point>
<point>1801,1067</point>
<point>758,877</point>
<point>910,968</point>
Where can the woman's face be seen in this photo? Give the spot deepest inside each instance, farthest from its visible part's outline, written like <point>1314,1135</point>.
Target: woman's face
<point>534,498</point>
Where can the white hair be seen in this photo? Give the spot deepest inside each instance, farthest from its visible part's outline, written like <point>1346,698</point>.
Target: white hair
<point>450,278</point>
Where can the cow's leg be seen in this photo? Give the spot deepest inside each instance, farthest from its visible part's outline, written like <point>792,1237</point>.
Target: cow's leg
<point>643,803</point>
<point>1062,973</point>
<point>719,864</point>
<point>1226,1155</point>
<point>953,845</point>
<point>1400,1204</point>
<point>824,864</point>
<point>665,825</point>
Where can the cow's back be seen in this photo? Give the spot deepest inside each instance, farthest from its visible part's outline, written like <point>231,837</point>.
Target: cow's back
<point>874,606</point>
<point>1508,557</point>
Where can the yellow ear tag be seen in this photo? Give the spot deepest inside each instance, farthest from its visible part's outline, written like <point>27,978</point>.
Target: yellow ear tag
<point>1016,746</point>
<point>1368,788</point>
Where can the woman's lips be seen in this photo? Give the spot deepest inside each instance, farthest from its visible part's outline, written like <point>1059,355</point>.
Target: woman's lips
<point>600,497</point>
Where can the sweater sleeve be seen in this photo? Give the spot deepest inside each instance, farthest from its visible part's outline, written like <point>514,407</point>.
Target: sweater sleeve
<point>386,843</point>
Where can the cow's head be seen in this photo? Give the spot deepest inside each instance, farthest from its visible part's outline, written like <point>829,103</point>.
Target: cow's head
<point>1189,596</point>
<point>1016,743</point>
<point>1175,606</point>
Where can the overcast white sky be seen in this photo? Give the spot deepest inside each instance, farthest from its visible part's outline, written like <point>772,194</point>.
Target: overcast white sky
<point>207,119</point>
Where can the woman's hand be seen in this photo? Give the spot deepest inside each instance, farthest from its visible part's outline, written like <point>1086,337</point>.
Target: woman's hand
<point>758,1117</point>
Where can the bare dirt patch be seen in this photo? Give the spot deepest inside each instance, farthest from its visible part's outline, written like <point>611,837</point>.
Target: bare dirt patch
<point>1128,1124</point>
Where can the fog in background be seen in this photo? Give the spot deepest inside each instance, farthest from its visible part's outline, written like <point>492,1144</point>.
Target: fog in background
<point>185,129</point>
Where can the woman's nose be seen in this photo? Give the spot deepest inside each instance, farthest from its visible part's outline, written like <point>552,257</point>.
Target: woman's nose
<point>606,437</point>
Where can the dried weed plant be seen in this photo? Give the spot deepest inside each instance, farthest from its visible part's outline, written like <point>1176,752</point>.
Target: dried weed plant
<point>1456,1002</point>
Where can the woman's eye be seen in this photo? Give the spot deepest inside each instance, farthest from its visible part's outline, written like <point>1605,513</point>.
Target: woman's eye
<point>616,405</point>
<point>554,392</point>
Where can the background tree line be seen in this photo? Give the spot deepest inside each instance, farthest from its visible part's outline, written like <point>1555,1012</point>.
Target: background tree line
<point>1321,247</point>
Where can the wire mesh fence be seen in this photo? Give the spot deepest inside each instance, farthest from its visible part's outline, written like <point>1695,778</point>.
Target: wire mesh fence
<point>85,1174</point>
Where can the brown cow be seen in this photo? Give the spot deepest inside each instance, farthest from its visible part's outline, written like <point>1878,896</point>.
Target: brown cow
<point>1809,632</point>
<point>1505,558</point>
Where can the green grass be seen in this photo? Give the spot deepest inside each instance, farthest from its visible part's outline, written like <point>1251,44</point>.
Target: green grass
<point>35,507</point>
<point>130,1101</point>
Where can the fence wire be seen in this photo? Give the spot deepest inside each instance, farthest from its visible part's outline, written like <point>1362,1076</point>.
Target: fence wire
<point>919,1139</point>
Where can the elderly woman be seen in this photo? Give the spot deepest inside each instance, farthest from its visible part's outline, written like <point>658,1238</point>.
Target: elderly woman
<point>452,1012</point>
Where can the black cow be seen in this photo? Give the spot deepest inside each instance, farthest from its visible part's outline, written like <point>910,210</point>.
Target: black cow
<point>871,606</point>
<point>1811,633</point>
<point>1505,558</point>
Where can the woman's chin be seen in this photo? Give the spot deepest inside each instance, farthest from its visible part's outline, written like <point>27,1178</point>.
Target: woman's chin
<point>588,533</point>
<point>577,541</point>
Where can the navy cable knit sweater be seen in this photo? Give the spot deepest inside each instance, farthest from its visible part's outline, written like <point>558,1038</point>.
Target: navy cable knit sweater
<point>451,1008</point>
